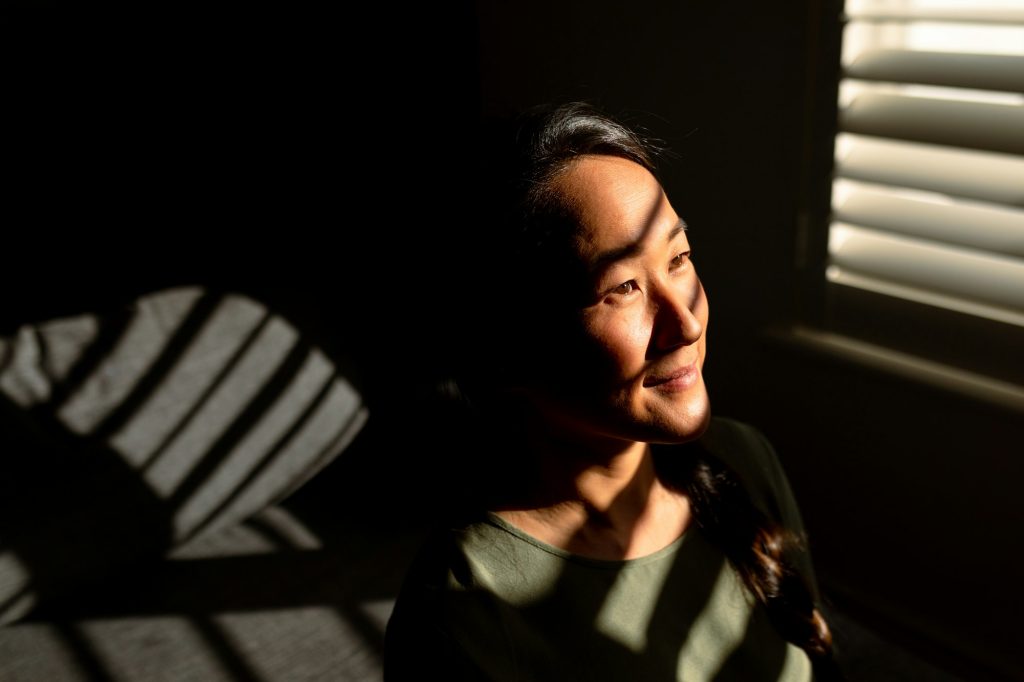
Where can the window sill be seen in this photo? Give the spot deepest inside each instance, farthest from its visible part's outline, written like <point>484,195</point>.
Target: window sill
<point>944,377</point>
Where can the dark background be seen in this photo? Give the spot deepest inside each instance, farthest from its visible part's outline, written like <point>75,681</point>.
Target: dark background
<point>307,156</point>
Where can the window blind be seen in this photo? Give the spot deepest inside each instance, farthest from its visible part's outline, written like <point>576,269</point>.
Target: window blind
<point>928,184</point>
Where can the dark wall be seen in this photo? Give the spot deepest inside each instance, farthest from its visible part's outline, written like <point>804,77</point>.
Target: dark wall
<point>295,153</point>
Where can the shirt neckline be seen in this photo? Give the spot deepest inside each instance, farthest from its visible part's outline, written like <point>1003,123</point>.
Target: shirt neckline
<point>669,549</point>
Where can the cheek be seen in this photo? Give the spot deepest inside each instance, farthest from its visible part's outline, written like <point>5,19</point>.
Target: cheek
<point>621,340</point>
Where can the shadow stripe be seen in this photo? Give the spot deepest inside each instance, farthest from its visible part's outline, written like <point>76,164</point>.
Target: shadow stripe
<point>272,535</point>
<point>172,351</point>
<point>348,432</point>
<point>204,397</point>
<point>83,653</point>
<point>225,651</point>
<point>243,422</point>
<point>10,601</point>
<point>267,459</point>
<point>363,626</point>
<point>111,330</point>
<point>770,660</point>
<point>700,579</point>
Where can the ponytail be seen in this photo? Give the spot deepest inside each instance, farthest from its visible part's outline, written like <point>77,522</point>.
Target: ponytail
<point>759,550</point>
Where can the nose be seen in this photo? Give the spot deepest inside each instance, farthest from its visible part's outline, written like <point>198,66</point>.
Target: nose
<point>675,317</point>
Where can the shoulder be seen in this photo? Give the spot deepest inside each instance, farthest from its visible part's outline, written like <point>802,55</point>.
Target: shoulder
<point>440,565</point>
<point>474,559</point>
<point>443,616</point>
<point>440,600</point>
<point>416,638</point>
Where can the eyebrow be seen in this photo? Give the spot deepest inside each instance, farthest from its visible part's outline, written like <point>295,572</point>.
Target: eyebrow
<point>606,258</point>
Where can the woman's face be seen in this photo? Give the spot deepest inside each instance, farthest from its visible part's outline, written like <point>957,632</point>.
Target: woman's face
<point>633,370</point>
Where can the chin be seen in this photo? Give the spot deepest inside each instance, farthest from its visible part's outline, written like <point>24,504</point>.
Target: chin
<point>687,422</point>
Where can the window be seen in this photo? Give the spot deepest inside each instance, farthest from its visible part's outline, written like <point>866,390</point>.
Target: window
<point>926,232</point>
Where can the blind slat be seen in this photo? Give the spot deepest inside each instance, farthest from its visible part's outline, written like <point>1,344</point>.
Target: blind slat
<point>982,176</point>
<point>973,125</point>
<point>949,69</point>
<point>987,280</point>
<point>928,193</point>
<point>845,278</point>
<point>983,228</point>
<point>979,15</point>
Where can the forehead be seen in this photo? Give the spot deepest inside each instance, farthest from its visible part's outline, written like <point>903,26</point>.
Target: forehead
<point>616,203</point>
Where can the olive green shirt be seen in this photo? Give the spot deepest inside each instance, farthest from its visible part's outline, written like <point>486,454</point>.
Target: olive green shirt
<point>487,601</point>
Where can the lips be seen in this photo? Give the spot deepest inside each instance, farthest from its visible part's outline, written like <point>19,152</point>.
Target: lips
<point>677,379</point>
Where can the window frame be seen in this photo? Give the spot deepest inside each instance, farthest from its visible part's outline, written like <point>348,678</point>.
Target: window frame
<point>946,349</point>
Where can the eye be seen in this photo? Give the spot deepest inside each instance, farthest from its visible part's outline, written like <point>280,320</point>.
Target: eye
<point>680,260</point>
<point>625,288</point>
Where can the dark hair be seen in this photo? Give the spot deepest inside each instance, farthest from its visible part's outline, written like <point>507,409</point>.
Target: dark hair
<point>522,226</point>
<point>759,550</point>
<point>518,224</point>
<point>524,156</point>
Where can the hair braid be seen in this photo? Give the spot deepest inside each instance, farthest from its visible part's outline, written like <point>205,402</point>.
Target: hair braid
<point>758,549</point>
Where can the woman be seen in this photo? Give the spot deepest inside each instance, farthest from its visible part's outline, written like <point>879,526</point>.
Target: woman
<point>622,533</point>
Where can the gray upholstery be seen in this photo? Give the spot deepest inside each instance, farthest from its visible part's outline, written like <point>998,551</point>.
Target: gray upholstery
<point>143,437</point>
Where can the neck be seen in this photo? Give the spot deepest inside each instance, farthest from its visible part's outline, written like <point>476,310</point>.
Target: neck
<point>601,502</point>
<point>612,491</point>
